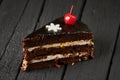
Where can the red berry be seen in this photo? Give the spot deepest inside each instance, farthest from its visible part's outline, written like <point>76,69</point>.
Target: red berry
<point>70,19</point>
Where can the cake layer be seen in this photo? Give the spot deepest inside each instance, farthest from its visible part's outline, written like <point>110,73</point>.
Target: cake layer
<point>65,44</point>
<point>42,53</point>
<point>59,56</point>
<point>39,40</point>
<point>57,63</point>
<point>37,65</point>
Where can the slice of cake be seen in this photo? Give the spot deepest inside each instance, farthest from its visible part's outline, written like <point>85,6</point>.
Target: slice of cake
<point>57,43</point>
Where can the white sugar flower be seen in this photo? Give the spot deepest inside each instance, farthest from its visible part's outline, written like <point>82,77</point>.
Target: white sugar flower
<point>53,27</point>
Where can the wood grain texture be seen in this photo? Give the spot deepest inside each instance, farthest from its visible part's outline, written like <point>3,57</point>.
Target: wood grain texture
<point>12,58</point>
<point>52,9</point>
<point>115,64</point>
<point>9,17</point>
<point>103,19</point>
<point>0,2</point>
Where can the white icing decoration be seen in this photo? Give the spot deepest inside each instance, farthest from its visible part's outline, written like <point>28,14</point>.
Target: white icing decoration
<point>53,27</point>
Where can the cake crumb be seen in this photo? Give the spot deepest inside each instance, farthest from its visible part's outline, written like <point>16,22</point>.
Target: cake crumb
<point>73,64</point>
<point>79,59</point>
<point>57,65</point>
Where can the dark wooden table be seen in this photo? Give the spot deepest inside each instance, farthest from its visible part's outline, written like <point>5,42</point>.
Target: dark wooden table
<point>18,18</point>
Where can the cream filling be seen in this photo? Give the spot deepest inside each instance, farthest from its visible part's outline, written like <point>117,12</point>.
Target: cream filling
<point>24,64</point>
<point>58,56</point>
<point>52,57</point>
<point>81,42</point>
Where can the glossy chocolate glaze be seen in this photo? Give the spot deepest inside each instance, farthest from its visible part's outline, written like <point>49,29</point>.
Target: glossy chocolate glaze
<point>69,29</point>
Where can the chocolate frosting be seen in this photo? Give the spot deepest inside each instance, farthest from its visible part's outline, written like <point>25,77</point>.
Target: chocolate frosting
<point>69,29</point>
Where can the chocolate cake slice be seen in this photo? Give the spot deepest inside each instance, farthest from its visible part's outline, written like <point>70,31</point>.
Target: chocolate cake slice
<point>57,43</point>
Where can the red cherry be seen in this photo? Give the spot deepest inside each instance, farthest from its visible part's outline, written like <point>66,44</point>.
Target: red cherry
<point>69,18</point>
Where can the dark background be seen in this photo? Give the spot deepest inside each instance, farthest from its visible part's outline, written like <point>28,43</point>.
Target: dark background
<point>18,18</point>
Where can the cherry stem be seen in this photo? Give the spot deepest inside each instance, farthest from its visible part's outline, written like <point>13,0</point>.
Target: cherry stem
<point>71,9</point>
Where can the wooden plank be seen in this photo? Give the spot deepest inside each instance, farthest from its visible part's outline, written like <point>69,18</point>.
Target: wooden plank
<point>103,19</point>
<point>12,58</point>
<point>115,64</point>
<point>9,17</point>
<point>52,9</point>
<point>0,2</point>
